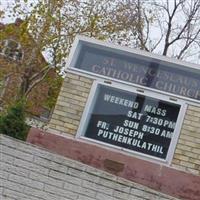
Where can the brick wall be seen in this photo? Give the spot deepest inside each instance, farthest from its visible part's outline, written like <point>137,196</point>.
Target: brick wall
<point>29,172</point>
<point>187,154</point>
<point>71,103</point>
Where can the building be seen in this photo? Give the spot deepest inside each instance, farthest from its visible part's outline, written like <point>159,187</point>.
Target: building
<point>132,114</point>
<point>20,60</point>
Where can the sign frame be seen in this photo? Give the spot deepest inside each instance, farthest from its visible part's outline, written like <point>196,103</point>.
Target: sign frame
<point>79,40</point>
<point>90,105</point>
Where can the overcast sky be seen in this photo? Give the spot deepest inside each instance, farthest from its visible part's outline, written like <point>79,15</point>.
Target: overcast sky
<point>7,5</point>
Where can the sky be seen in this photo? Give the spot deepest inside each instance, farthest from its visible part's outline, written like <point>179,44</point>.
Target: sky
<point>7,5</point>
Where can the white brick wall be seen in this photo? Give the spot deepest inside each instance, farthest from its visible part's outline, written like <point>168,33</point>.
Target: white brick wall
<point>31,173</point>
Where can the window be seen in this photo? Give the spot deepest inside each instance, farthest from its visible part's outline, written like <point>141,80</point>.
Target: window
<point>11,49</point>
<point>93,58</point>
<point>145,124</point>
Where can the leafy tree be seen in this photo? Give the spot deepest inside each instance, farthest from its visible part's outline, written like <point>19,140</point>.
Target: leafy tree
<point>13,122</point>
<point>54,25</point>
<point>17,74</point>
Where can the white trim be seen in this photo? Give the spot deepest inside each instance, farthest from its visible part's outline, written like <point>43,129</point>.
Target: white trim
<point>79,40</point>
<point>124,50</point>
<point>102,78</point>
<point>177,132</point>
<point>73,51</point>
<point>90,105</point>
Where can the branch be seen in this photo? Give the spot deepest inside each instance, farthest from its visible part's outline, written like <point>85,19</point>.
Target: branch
<point>157,43</point>
<point>161,37</point>
<point>40,72</point>
<point>188,22</point>
<point>187,44</point>
<point>140,28</point>
<point>31,86</point>
<point>169,29</point>
<point>148,29</point>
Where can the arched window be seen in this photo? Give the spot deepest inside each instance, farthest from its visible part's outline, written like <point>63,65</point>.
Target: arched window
<point>11,49</point>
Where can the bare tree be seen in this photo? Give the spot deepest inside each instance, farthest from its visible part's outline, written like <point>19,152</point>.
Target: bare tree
<point>171,28</point>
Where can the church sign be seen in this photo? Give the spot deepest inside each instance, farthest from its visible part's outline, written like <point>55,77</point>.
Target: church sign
<point>120,114</point>
<point>144,69</point>
<point>135,122</point>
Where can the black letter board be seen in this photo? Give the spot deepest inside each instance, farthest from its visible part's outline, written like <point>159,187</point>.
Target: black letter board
<point>132,121</point>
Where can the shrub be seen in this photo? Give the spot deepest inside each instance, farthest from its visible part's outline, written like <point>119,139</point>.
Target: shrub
<point>13,122</point>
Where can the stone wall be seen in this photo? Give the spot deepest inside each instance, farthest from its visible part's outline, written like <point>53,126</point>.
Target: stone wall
<point>70,105</point>
<point>28,172</point>
<point>187,154</point>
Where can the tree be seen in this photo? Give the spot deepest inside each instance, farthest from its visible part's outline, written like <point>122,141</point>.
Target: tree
<point>54,25</point>
<point>176,25</point>
<point>17,71</point>
<point>13,123</point>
